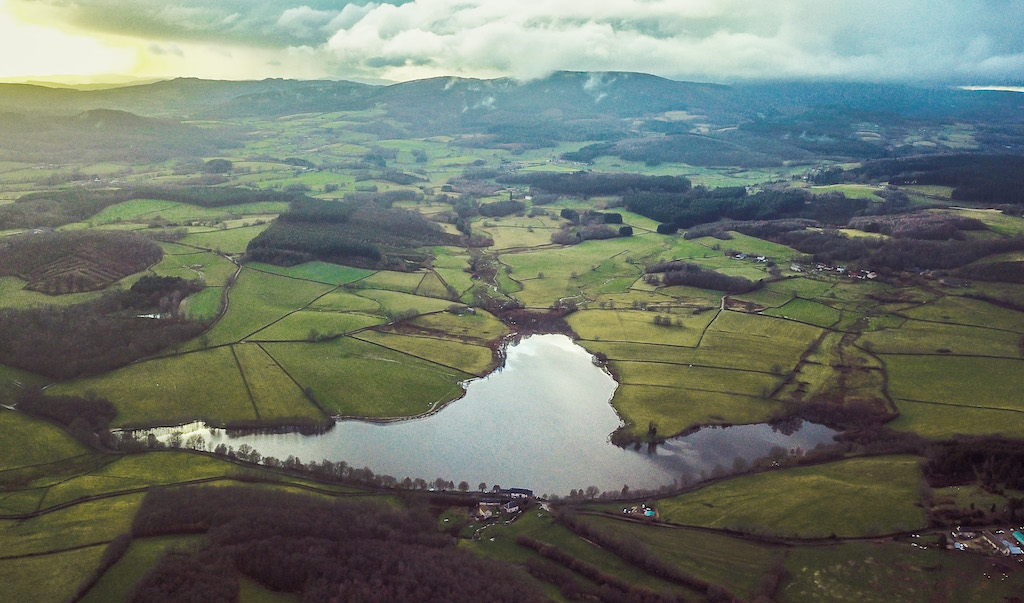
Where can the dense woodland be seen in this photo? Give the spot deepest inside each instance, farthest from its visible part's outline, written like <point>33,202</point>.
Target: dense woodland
<point>979,178</point>
<point>321,549</point>
<point>68,262</point>
<point>348,233</point>
<point>95,337</point>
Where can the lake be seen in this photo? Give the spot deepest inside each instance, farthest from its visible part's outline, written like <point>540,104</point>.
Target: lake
<point>542,421</point>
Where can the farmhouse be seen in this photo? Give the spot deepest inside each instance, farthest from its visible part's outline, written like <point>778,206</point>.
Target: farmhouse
<point>516,492</point>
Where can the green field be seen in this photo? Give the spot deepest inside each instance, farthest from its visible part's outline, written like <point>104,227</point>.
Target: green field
<point>87,523</point>
<point>639,327</point>
<point>857,497</point>
<point>204,305</point>
<point>478,325</point>
<point>473,359</point>
<point>14,295</point>
<point>394,302</point>
<point>343,301</point>
<point>312,324</point>
<point>169,391</point>
<point>28,441</point>
<point>390,384</point>
<point>698,378</point>
<point>117,582</point>
<point>892,571</point>
<point>232,240</point>
<point>405,282</point>
<point>676,410</point>
<point>258,299</point>
<point>215,270</point>
<point>959,310</point>
<point>53,577</point>
<point>802,310</point>
<point>937,338</point>
<point>321,272</point>
<point>941,420</point>
<point>959,381</point>
<point>499,543</point>
<point>715,558</point>
<point>277,398</point>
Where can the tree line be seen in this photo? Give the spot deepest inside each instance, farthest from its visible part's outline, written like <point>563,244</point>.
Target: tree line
<point>590,184</point>
<point>678,272</point>
<point>896,254</point>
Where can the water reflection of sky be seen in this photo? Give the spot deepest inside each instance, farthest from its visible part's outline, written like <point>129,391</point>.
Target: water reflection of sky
<point>542,422</point>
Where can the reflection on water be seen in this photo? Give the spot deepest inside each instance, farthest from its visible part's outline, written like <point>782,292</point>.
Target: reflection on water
<point>540,422</point>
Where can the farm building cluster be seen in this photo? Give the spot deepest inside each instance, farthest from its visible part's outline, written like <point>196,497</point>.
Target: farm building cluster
<point>839,270</point>
<point>1007,542</point>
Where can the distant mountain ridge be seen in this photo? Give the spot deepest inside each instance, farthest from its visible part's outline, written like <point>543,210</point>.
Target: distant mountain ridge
<point>580,93</point>
<point>631,115</point>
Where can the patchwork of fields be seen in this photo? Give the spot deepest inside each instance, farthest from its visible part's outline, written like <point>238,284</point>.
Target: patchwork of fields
<point>906,363</point>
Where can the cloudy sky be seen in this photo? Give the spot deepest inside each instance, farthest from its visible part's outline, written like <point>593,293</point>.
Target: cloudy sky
<point>950,41</point>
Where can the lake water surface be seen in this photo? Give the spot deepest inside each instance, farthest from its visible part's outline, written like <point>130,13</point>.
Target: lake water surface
<point>542,421</point>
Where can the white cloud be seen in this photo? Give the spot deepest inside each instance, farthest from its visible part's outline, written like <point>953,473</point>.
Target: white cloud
<point>306,22</point>
<point>694,39</point>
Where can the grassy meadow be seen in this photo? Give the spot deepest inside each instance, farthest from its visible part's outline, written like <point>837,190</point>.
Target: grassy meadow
<point>856,497</point>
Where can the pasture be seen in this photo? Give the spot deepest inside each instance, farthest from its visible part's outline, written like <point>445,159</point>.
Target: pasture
<point>51,577</point>
<point>500,544</point>
<point>84,524</point>
<point>891,571</point>
<point>479,325</point>
<point>918,337</point>
<point>203,385</point>
<point>258,299</point>
<point>321,272</point>
<point>856,497</point>
<point>802,310</point>
<point>204,305</point>
<point>388,383</point>
<point>640,327</point>
<point>214,269</point>
<point>277,398</point>
<point>468,358</point>
<point>310,325</point>
<point>675,410</point>
<point>395,302</point>
<point>716,558</point>
<point>230,240</point>
<point>28,441</point>
<point>959,381</point>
